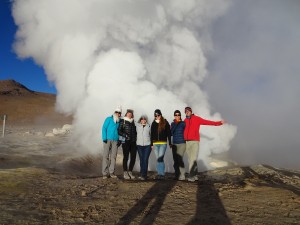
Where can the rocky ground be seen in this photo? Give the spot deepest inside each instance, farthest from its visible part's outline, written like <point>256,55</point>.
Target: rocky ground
<point>42,181</point>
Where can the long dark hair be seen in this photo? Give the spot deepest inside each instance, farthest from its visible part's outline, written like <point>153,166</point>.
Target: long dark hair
<point>162,124</point>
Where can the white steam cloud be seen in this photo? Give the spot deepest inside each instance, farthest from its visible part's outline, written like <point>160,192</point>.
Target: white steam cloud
<point>255,65</point>
<point>139,54</point>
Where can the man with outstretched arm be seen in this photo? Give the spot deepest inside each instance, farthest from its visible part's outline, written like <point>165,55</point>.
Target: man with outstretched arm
<point>192,139</point>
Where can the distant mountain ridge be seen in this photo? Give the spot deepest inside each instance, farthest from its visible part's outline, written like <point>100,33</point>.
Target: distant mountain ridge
<point>12,87</point>
<point>26,107</point>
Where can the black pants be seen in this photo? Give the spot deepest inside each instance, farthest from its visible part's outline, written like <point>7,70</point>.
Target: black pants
<point>129,148</point>
<point>176,159</point>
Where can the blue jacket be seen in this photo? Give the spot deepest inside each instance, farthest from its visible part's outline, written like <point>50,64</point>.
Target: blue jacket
<point>177,131</point>
<point>110,129</point>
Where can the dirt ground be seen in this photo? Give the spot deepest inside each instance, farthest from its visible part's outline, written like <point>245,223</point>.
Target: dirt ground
<point>41,184</point>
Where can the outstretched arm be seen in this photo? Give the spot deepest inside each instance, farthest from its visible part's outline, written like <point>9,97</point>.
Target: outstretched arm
<point>210,122</point>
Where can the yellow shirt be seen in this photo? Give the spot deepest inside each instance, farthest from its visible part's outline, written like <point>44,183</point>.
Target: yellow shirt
<point>160,143</point>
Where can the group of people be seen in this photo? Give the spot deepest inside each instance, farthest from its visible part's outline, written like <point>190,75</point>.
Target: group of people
<point>142,137</point>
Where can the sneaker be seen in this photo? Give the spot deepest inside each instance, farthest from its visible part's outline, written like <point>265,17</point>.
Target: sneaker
<point>104,177</point>
<point>113,175</point>
<point>196,177</point>
<point>126,176</point>
<point>191,179</point>
<point>141,178</point>
<point>181,177</point>
<point>131,175</point>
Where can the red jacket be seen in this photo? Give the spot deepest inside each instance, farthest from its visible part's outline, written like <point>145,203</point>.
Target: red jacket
<point>192,126</point>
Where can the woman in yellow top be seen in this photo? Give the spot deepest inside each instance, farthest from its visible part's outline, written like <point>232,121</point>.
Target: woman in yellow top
<point>160,136</point>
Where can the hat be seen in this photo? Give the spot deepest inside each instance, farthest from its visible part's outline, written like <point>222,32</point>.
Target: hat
<point>177,111</point>
<point>118,109</point>
<point>188,109</point>
<point>129,111</point>
<point>157,111</point>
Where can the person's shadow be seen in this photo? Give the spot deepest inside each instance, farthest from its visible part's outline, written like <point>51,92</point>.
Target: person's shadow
<point>158,191</point>
<point>210,209</point>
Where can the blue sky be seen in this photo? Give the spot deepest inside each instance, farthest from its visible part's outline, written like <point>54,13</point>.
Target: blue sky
<point>24,71</point>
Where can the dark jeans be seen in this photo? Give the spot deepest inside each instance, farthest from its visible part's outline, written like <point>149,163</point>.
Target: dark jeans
<point>129,148</point>
<point>144,153</point>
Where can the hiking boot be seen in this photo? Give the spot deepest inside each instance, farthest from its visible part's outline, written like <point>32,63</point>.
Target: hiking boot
<point>131,175</point>
<point>113,175</point>
<point>181,177</point>
<point>126,176</point>
<point>159,177</point>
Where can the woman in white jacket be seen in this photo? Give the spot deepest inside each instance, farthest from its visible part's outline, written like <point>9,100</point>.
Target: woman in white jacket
<point>143,145</point>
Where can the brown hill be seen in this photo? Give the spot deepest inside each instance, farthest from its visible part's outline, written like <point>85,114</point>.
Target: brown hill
<point>26,107</point>
<point>13,88</point>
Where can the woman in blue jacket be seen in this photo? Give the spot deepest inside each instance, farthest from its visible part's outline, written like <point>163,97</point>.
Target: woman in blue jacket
<point>178,145</point>
<point>110,139</point>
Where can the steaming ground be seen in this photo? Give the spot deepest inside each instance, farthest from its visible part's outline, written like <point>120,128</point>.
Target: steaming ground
<point>142,55</point>
<point>44,180</point>
<point>27,146</point>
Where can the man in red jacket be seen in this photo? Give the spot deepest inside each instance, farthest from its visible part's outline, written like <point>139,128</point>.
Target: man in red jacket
<point>192,138</point>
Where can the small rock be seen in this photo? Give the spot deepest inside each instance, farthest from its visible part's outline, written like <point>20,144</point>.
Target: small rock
<point>49,135</point>
<point>67,127</point>
<point>59,131</point>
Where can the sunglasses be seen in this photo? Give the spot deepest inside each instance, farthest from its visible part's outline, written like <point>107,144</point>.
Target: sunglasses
<point>118,112</point>
<point>177,115</point>
<point>156,115</point>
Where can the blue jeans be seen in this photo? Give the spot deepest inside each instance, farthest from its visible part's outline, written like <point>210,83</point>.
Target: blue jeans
<point>160,151</point>
<point>144,153</point>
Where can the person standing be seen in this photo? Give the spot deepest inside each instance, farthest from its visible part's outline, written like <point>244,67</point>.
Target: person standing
<point>143,145</point>
<point>110,139</point>
<point>127,130</point>
<point>192,138</point>
<point>178,145</point>
<point>160,136</point>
